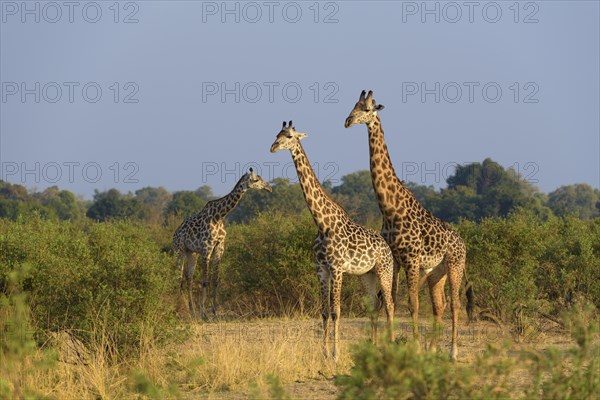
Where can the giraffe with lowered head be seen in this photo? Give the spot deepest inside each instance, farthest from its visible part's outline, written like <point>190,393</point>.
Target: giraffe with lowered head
<point>203,236</point>
<point>341,245</point>
<point>427,247</point>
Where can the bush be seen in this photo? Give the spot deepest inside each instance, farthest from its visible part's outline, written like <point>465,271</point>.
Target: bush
<point>82,276</point>
<point>18,349</point>
<point>405,372</point>
<point>523,263</point>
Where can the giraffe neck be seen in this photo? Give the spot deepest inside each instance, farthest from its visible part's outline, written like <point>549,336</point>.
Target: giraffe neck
<point>385,181</point>
<point>225,204</point>
<point>321,206</point>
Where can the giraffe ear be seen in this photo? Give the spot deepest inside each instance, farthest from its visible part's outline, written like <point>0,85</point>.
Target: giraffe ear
<point>300,136</point>
<point>379,107</point>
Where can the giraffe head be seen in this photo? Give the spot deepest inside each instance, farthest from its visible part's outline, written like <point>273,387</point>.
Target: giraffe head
<point>253,181</point>
<point>364,111</point>
<point>287,138</point>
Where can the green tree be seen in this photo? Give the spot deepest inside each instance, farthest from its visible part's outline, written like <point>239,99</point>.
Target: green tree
<point>155,200</point>
<point>62,203</point>
<point>205,193</point>
<point>357,196</point>
<point>185,203</point>
<point>480,190</point>
<point>580,199</point>
<point>286,198</point>
<point>112,205</point>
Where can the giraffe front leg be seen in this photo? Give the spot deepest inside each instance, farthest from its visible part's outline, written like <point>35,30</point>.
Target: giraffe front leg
<point>412,281</point>
<point>218,253</point>
<point>335,315</point>
<point>395,280</point>
<point>324,280</point>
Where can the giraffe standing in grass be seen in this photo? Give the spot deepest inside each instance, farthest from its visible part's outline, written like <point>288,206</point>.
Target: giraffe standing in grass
<point>427,247</point>
<point>203,236</point>
<point>341,245</point>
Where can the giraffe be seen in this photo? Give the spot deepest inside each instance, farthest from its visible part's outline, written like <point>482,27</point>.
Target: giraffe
<point>341,245</point>
<point>427,247</point>
<point>203,236</point>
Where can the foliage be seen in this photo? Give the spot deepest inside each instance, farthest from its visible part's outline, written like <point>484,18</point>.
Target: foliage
<point>51,203</point>
<point>185,203</point>
<point>475,191</point>
<point>406,372</point>
<point>270,262</point>
<point>571,374</point>
<point>17,343</point>
<point>112,205</point>
<point>96,274</point>
<point>480,190</point>
<point>522,262</point>
<point>357,196</point>
<point>580,199</point>
<point>155,200</point>
<point>286,198</point>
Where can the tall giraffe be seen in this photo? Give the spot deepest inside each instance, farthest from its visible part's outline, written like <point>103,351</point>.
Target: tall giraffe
<point>203,235</point>
<point>427,247</point>
<point>341,245</point>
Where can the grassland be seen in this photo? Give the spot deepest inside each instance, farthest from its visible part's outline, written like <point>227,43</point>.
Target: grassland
<point>92,311</point>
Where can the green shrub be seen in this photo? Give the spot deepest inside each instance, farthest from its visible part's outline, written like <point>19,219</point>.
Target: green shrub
<point>18,348</point>
<point>108,275</point>
<point>521,264</point>
<point>405,372</point>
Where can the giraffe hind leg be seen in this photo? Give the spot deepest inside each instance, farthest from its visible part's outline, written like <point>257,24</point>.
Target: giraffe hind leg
<point>216,261</point>
<point>205,259</point>
<point>436,282</point>
<point>455,273</point>
<point>190,265</point>
<point>335,315</point>
<point>369,281</point>
<point>386,274</point>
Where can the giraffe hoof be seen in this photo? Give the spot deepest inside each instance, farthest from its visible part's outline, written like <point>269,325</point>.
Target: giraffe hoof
<point>454,354</point>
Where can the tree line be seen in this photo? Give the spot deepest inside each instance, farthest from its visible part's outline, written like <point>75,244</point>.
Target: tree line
<point>475,191</point>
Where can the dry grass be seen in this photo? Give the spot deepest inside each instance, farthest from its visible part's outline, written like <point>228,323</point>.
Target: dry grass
<point>220,360</point>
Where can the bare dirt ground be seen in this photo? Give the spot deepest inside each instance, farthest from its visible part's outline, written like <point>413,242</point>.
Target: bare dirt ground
<point>312,378</point>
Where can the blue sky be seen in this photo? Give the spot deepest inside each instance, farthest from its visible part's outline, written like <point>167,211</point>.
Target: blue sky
<point>188,93</point>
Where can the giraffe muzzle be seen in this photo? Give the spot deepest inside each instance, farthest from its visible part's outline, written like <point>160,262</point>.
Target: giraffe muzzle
<point>348,122</point>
